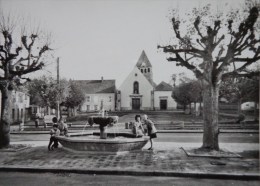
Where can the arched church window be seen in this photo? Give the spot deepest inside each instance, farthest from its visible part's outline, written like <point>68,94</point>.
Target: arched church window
<point>136,87</point>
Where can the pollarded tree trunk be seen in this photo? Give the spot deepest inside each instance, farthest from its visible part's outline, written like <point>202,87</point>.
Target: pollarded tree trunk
<point>74,111</point>
<point>5,116</point>
<point>255,111</point>
<point>210,116</point>
<point>200,108</point>
<point>239,106</point>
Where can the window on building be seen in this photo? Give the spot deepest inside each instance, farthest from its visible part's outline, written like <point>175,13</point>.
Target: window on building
<point>18,114</point>
<point>142,70</point>
<point>148,69</point>
<point>145,70</point>
<point>13,114</point>
<point>96,107</point>
<point>34,110</point>
<point>20,98</point>
<point>88,98</point>
<point>136,87</point>
<point>110,98</point>
<point>21,113</point>
<point>88,107</point>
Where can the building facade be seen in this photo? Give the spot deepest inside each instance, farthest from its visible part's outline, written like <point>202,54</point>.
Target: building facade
<point>139,92</point>
<point>163,97</point>
<point>98,94</point>
<point>19,106</point>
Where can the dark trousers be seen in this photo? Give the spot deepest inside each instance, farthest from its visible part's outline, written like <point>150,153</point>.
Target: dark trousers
<point>37,123</point>
<point>54,141</point>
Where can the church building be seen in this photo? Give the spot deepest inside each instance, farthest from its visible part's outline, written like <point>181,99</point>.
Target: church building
<point>139,92</point>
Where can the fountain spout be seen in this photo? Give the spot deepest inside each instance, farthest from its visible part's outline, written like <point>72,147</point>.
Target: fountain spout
<point>102,112</point>
<point>103,122</point>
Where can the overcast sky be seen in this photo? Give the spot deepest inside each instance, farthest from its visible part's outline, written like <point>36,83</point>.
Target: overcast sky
<point>106,37</point>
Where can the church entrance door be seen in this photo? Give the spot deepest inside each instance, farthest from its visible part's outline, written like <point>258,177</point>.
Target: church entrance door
<point>136,103</point>
<point>163,104</point>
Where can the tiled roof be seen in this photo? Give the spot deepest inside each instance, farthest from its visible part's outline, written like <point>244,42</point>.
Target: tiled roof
<point>163,87</point>
<point>143,59</point>
<point>97,86</point>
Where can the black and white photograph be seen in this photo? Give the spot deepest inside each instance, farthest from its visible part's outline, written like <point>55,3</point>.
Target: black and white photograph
<point>129,92</point>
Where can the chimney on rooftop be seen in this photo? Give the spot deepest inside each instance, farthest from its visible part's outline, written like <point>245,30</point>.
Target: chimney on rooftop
<point>102,78</point>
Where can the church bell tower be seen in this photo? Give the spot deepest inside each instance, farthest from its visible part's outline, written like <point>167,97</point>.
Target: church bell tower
<point>144,65</point>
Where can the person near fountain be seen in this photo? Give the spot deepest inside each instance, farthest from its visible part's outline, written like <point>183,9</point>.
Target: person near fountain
<point>138,129</point>
<point>54,132</point>
<point>63,127</point>
<point>37,120</point>
<point>150,129</point>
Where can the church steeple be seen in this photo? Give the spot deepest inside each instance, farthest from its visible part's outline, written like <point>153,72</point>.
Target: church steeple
<point>144,65</point>
<point>143,61</point>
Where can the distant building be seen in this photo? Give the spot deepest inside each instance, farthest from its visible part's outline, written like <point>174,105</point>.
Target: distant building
<point>98,94</point>
<point>139,92</point>
<point>163,97</point>
<point>19,106</point>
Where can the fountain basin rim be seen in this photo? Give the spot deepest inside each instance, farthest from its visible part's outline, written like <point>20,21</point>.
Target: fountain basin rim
<point>108,140</point>
<point>102,116</point>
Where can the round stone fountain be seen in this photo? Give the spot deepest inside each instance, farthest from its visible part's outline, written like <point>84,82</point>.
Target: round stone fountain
<point>103,141</point>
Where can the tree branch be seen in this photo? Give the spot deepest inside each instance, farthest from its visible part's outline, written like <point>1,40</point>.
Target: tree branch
<point>185,64</point>
<point>196,25</point>
<point>233,47</point>
<point>217,43</point>
<point>192,51</point>
<point>32,68</point>
<point>3,50</point>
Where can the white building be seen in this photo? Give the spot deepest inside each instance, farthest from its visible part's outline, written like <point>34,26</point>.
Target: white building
<point>98,94</point>
<point>139,92</point>
<point>163,97</point>
<point>20,106</point>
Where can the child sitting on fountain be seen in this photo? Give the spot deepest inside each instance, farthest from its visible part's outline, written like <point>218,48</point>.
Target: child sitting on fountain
<point>54,132</point>
<point>63,127</point>
<point>138,129</point>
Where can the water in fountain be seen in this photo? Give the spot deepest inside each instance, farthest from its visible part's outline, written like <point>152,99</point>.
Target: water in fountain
<point>106,114</point>
<point>82,133</point>
<point>115,129</point>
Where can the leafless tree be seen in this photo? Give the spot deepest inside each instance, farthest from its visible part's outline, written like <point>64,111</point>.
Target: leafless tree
<point>18,58</point>
<point>213,51</point>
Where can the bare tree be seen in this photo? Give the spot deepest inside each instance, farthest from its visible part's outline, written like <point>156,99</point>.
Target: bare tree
<point>16,60</point>
<point>210,50</point>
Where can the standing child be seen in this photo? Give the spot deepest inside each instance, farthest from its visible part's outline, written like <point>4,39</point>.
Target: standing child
<point>54,132</point>
<point>150,129</point>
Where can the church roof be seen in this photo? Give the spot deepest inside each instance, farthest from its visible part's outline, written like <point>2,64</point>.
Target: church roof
<point>97,86</point>
<point>163,87</point>
<point>143,60</point>
<point>153,84</point>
